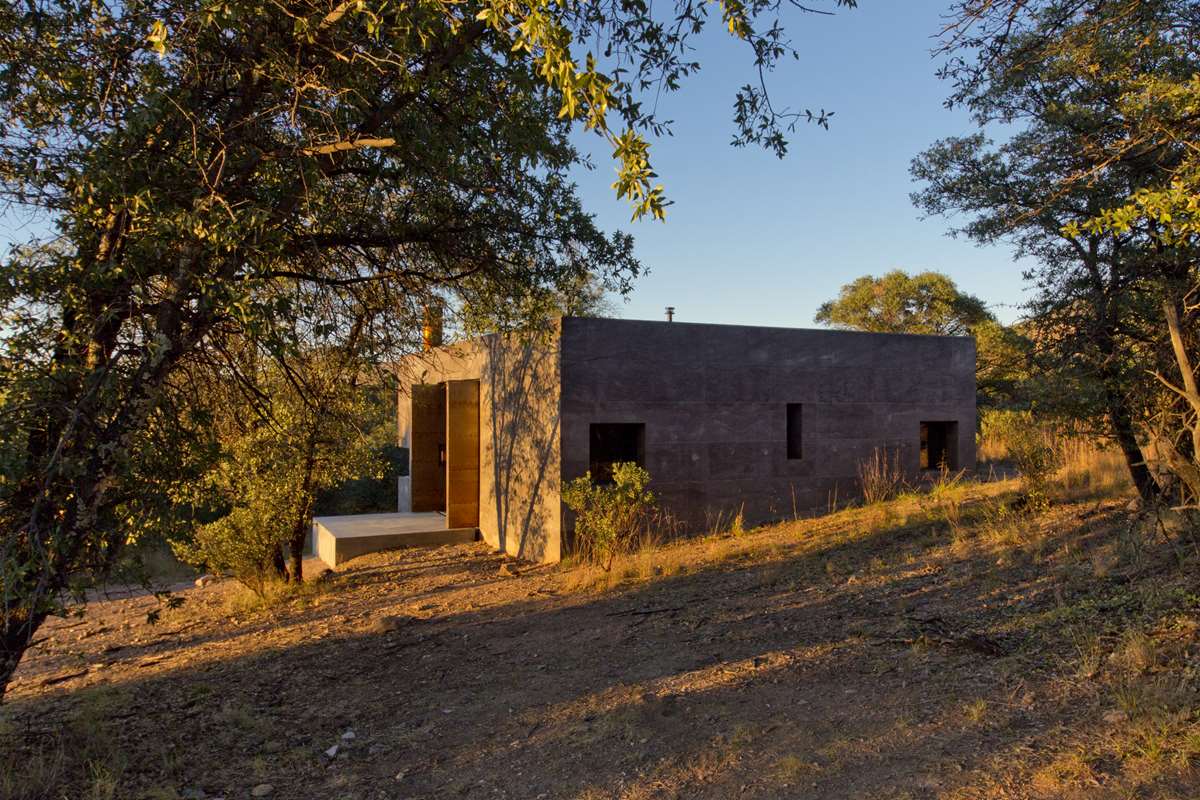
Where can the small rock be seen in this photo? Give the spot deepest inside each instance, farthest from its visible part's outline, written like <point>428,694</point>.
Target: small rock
<point>204,580</point>
<point>348,735</point>
<point>1115,716</point>
<point>332,752</point>
<point>507,571</point>
<point>1134,505</point>
<point>272,747</point>
<point>262,790</point>
<point>402,774</point>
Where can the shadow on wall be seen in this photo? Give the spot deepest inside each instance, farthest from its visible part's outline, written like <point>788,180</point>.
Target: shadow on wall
<point>521,389</point>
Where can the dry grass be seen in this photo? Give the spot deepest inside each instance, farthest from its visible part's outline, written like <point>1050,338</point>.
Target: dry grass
<point>953,503</point>
<point>990,450</point>
<point>241,601</point>
<point>1090,471</point>
<point>880,476</point>
<point>1094,694</point>
<point>36,768</point>
<point>1124,664</point>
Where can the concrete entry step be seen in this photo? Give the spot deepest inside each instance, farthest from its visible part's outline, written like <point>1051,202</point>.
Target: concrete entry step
<point>339,539</point>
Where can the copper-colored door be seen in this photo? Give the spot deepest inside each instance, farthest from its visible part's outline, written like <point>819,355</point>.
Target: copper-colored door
<point>462,454</point>
<point>427,447</point>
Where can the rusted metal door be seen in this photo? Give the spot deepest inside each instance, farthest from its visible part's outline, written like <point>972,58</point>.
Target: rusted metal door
<point>462,454</point>
<point>426,458</point>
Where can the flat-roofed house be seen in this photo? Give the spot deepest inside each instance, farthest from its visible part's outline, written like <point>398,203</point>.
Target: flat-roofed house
<point>769,422</point>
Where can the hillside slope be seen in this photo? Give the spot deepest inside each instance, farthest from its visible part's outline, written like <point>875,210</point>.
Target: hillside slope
<point>949,648</point>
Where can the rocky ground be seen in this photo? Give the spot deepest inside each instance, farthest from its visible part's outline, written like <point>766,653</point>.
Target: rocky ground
<point>888,652</point>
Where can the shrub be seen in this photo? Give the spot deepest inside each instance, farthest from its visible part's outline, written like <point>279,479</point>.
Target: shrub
<point>881,478</point>
<point>1031,446</point>
<point>244,544</point>
<point>609,517</point>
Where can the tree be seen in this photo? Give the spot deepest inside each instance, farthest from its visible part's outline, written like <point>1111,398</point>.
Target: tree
<point>1110,90</point>
<point>928,302</point>
<point>1095,318</point>
<point>199,163</point>
<point>305,435</point>
<point>530,310</point>
<point>931,303</point>
<point>1003,357</point>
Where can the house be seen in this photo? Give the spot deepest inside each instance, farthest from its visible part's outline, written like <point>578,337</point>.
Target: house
<point>768,422</point>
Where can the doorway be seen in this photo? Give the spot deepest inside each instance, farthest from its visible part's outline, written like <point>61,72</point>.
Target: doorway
<point>444,460</point>
<point>939,445</point>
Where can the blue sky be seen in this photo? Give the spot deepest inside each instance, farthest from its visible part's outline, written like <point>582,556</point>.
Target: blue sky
<point>752,239</point>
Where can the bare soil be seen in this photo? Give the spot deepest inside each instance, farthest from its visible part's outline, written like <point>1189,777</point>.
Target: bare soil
<point>872,654</point>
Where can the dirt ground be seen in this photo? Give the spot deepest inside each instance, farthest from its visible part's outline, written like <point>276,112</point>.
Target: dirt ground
<point>872,654</point>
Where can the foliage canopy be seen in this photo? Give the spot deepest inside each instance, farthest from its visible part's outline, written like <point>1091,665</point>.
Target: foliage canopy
<point>928,302</point>
<point>208,169</point>
<point>1093,91</point>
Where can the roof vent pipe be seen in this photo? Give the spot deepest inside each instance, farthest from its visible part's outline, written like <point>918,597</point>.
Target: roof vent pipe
<point>431,326</point>
<point>670,313</point>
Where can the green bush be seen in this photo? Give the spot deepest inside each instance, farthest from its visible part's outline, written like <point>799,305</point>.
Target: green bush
<point>1031,446</point>
<point>371,494</point>
<point>244,544</point>
<point>609,517</point>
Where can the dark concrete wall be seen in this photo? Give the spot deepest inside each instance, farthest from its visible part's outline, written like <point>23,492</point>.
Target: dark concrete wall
<point>713,399</point>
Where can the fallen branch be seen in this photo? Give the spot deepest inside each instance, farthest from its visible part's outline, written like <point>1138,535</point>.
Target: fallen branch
<point>178,630</point>
<point>63,678</point>
<point>643,612</point>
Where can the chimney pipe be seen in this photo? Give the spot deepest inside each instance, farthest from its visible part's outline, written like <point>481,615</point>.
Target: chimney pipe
<point>431,326</point>
<point>670,313</point>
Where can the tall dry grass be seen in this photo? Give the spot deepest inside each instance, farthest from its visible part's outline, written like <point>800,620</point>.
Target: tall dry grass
<point>881,476</point>
<point>990,449</point>
<point>1087,468</point>
<point>1090,470</point>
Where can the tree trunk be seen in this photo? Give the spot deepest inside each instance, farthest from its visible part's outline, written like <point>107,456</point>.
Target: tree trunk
<point>1123,430</point>
<point>299,535</point>
<point>16,633</point>
<point>279,563</point>
<point>1185,467</point>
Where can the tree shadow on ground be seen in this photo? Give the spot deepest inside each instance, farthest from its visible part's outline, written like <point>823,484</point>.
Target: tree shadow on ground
<point>774,678</point>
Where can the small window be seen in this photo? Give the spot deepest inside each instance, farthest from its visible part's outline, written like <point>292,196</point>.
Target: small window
<point>939,445</point>
<point>615,443</point>
<point>795,445</point>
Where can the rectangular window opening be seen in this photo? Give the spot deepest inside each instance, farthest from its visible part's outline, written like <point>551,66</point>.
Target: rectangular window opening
<point>615,443</point>
<point>795,443</point>
<point>939,445</point>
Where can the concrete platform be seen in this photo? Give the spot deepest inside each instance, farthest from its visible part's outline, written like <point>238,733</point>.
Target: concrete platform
<point>339,539</point>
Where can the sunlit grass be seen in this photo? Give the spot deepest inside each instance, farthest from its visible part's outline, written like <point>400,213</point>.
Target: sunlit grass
<point>241,601</point>
<point>851,537</point>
